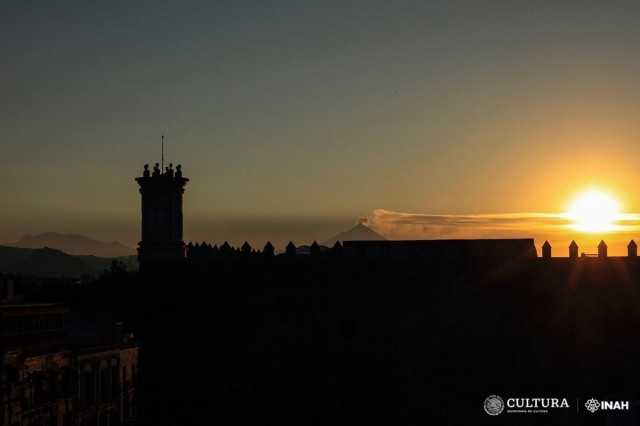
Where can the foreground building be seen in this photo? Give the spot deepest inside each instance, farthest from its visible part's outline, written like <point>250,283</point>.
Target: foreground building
<point>379,332</point>
<point>50,379</point>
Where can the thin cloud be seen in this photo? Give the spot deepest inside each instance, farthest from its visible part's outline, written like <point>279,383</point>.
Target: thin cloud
<point>397,225</point>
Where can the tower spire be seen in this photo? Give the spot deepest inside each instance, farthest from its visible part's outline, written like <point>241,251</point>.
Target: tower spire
<point>162,169</point>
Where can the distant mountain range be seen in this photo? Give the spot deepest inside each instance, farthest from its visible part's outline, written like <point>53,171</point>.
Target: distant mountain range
<point>54,255</point>
<point>74,245</point>
<point>48,262</point>
<point>357,233</point>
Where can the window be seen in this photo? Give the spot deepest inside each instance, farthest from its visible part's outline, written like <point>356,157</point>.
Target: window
<point>125,382</point>
<point>104,384</point>
<point>134,374</point>
<point>88,386</point>
<point>12,373</point>
<point>126,407</point>
<point>115,381</point>
<point>37,388</point>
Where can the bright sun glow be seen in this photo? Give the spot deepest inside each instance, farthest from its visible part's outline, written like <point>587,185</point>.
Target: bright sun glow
<point>594,211</point>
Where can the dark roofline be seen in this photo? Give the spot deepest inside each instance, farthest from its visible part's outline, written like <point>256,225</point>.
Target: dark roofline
<point>532,240</point>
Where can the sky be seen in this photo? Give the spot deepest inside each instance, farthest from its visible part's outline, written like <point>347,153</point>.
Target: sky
<point>293,119</point>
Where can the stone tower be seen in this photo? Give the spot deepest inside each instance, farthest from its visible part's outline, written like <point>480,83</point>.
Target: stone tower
<point>161,248</point>
<point>162,260</point>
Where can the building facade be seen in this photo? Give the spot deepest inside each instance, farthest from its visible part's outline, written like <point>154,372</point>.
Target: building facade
<point>49,379</point>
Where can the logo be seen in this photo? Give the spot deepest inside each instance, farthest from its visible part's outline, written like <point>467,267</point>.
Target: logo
<point>493,405</point>
<point>536,403</point>
<point>592,405</point>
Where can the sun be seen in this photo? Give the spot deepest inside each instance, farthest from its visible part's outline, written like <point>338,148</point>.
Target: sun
<point>594,211</point>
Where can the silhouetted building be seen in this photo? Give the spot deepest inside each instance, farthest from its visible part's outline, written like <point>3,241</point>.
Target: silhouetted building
<point>373,332</point>
<point>161,248</point>
<point>453,250</point>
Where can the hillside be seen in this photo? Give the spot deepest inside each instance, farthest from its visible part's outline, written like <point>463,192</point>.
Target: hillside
<point>50,262</point>
<point>55,263</point>
<point>74,244</point>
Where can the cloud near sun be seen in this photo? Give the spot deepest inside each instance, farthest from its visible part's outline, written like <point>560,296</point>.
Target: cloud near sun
<point>396,225</point>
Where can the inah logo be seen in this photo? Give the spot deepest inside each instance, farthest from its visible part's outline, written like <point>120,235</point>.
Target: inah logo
<point>493,405</point>
<point>592,405</point>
